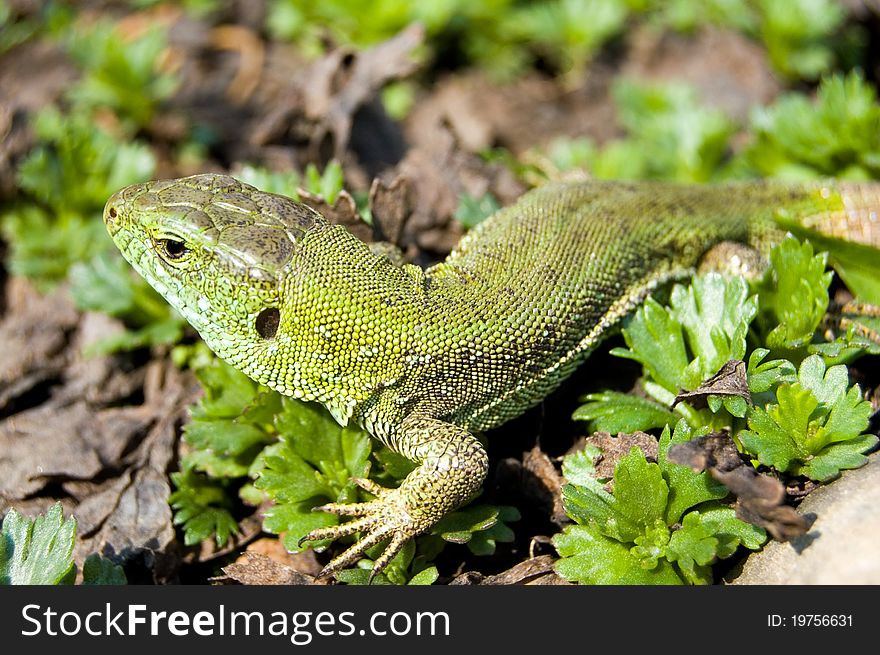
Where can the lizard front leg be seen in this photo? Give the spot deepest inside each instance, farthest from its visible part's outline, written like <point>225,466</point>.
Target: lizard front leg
<point>452,466</point>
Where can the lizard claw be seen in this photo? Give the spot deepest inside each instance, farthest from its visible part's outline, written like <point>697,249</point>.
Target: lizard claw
<point>384,518</point>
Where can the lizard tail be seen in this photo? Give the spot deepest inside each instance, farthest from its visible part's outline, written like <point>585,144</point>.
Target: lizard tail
<point>846,223</point>
<point>852,213</point>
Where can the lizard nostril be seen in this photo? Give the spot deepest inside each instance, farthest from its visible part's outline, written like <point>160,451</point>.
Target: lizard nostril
<point>112,212</point>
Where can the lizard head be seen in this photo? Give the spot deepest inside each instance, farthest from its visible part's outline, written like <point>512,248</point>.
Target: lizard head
<point>217,250</point>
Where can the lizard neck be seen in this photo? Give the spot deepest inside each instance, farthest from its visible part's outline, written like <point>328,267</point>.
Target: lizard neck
<point>345,322</point>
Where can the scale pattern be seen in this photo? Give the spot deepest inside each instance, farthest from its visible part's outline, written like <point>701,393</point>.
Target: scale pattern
<point>423,358</point>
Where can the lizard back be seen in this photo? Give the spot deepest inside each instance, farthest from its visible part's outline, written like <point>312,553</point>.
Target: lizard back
<point>540,283</point>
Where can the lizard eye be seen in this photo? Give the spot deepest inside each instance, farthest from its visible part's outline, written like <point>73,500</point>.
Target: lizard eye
<point>171,249</point>
<point>267,322</point>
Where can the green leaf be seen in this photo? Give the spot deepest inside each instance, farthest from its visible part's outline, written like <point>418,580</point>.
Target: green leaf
<point>44,246</point>
<point>765,375</point>
<point>639,499</point>
<point>856,263</point>
<point>656,340</point>
<point>99,570</point>
<point>659,514</point>
<point>120,73</point>
<point>778,445</point>
<point>37,551</point>
<point>76,166</point>
<point>795,292</point>
<point>671,136</point>
<point>312,464</point>
<point>106,283</point>
<point>483,540</point>
<point>797,35</point>
<point>814,427</point>
<point>578,468</point>
<point>835,136</point>
<point>710,318</point>
<point>458,527</point>
<point>709,535</point>
<point>288,478</point>
<point>472,211</point>
<point>687,488</point>
<point>227,391</point>
<point>589,557</point>
<point>651,545</point>
<point>223,436</point>
<point>839,456</point>
<point>427,576</point>
<point>693,547</point>
<point>715,312</point>
<point>284,183</point>
<point>613,412</point>
<point>731,531</point>
<point>296,520</point>
<point>640,491</point>
<point>310,432</point>
<point>203,507</point>
<point>595,506</point>
<point>328,184</point>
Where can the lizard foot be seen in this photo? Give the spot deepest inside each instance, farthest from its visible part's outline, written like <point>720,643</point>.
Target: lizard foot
<point>385,517</point>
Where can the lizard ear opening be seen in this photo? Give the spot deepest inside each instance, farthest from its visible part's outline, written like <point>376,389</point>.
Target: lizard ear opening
<point>267,322</point>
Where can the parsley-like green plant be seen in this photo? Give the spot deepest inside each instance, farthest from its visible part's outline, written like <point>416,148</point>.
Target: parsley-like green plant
<point>39,551</point>
<point>670,136</point>
<point>502,36</point>
<point>838,135</point>
<point>121,74</point>
<point>798,35</point>
<point>67,178</point>
<point>805,421</point>
<point>679,347</point>
<point>815,428</point>
<point>661,525</point>
<point>249,441</point>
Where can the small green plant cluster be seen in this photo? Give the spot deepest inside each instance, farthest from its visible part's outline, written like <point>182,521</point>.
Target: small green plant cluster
<point>506,36</point>
<point>801,36</point>
<point>86,148</point>
<point>662,524</point>
<point>672,136</point>
<point>798,415</point>
<point>40,551</point>
<point>249,441</point>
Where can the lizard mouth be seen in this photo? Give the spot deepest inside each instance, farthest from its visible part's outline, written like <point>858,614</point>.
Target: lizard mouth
<point>117,206</point>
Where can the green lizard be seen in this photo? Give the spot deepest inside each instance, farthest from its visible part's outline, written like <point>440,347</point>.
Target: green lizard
<point>423,359</point>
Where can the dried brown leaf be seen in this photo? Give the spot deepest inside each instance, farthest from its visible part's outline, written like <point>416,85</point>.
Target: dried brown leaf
<point>613,448</point>
<point>533,571</point>
<point>319,105</point>
<point>390,206</point>
<point>731,380</point>
<point>543,483</point>
<point>33,340</point>
<point>258,569</point>
<point>342,212</point>
<point>760,499</point>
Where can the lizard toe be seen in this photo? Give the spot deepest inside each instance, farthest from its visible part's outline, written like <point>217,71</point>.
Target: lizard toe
<point>385,518</point>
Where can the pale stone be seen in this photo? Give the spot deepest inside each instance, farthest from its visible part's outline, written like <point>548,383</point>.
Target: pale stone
<point>842,545</point>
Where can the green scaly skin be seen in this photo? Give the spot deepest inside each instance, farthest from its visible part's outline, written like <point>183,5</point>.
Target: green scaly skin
<point>424,358</point>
